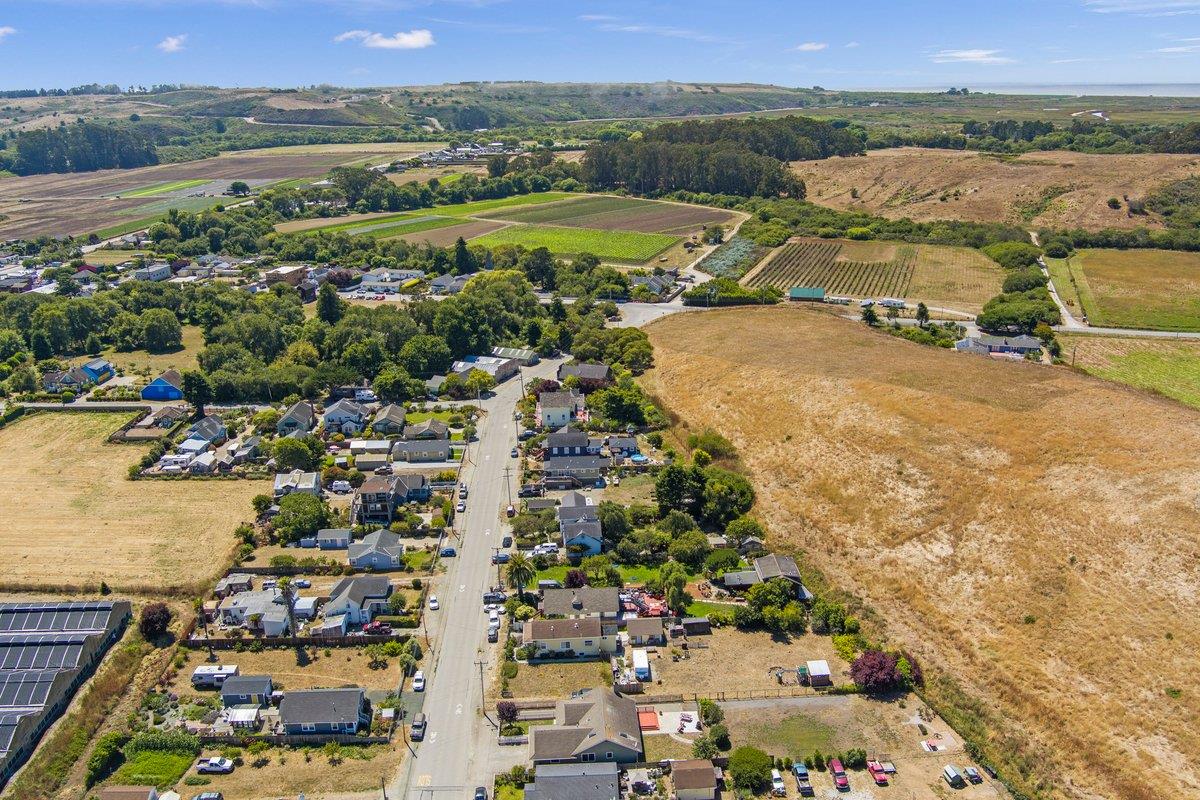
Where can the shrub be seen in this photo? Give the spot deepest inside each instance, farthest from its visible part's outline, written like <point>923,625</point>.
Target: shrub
<point>155,619</point>
<point>750,769</point>
<point>710,712</point>
<point>105,757</point>
<point>876,671</point>
<point>506,711</point>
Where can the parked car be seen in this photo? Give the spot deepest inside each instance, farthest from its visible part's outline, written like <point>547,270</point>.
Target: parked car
<point>953,777</point>
<point>377,628</point>
<point>448,552</point>
<point>481,793</point>
<point>302,583</point>
<point>513,453</point>
<point>839,775</point>
<point>418,681</point>
<point>500,558</point>
<point>462,492</point>
<point>877,773</point>
<point>461,507</point>
<point>493,633</point>
<point>506,541</point>
<point>803,786</point>
<point>510,512</point>
<point>526,435</point>
<point>214,766</point>
<point>419,724</point>
<point>433,603</point>
<point>973,775</point>
<point>208,796</point>
<point>777,787</point>
<point>386,469</point>
<point>494,597</point>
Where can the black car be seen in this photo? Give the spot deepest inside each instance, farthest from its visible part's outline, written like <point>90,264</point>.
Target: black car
<point>494,597</point>
<point>481,793</point>
<point>506,541</point>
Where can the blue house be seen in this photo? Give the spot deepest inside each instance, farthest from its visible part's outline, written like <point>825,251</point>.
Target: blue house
<point>168,386</point>
<point>324,711</point>
<point>99,370</point>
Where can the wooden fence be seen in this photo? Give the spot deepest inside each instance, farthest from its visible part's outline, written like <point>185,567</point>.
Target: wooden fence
<point>296,641</point>
<point>292,739</point>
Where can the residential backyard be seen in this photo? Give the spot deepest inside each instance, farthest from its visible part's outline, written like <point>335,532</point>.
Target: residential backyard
<point>72,517</point>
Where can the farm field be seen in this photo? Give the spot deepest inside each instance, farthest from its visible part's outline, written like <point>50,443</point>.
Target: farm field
<point>1053,189</point>
<point>86,522</point>
<point>988,513</point>
<point>959,277</point>
<point>444,236</point>
<point>166,188</point>
<point>733,258</point>
<point>618,213</point>
<point>1168,367</point>
<point>627,246</point>
<point>1133,288</point>
<point>476,207</point>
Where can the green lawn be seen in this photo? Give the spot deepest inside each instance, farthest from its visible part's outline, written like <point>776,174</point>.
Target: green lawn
<point>166,188</point>
<point>414,417</point>
<point>612,245</point>
<point>367,223</point>
<point>1158,289</point>
<point>152,769</point>
<point>478,206</point>
<point>510,793</point>
<point>794,735</point>
<point>702,608</point>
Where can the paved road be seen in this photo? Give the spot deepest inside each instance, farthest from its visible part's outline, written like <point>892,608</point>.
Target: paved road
<point>456,756</point>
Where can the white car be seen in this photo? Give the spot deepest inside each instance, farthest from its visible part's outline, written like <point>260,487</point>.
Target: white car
<point>433,603</point>
<point>462,506</point>
<point>418,683</point>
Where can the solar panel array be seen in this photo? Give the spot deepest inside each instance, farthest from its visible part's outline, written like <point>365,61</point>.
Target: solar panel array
<point>41,643</point>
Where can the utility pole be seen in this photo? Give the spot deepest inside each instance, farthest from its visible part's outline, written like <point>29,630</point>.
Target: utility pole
<point>482,703</point>
<point>508,483</point>
<point>499,579</point>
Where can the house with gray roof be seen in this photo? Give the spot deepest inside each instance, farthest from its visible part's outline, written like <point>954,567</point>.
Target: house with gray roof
<point>345,416</point>
<point>333,538</point>
<point>582,538</point>
<point>311,711</point>
<point>985,344</point>
<point>378,550</point>
<point>603,603</point>
<point>358,598</point>
<point>596,725</point>
<point>246,690</point>
<point>591,781</point>
<point>422,450</point>
<point>594,373</point>
<point>264,611</point>
<point>766,568</point>
<point>389,420</point>
<point>297,481</point>
<point>427,430</point>
<point>301,416</point>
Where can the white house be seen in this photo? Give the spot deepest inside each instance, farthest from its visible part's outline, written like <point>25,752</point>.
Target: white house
<point>345,416</point>
<point>358,599</point>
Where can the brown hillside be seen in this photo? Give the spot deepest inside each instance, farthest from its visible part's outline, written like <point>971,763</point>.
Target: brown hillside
<point>1056,189</point>
<point>1028,531</point>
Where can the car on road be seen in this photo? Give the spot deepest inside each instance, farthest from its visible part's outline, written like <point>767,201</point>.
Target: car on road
<point>214,766</point>
<point>500,558</point>
<point>418,682</point>
<point>493,633</point>
<point>433,603</point>
<point>448,552</point>
<point>462,492</point>
<point>461,507</point>
<point>302,583</point>
<point>513,453</point>
<point>506,541</point>
<point>480,793</point>
<point>494,617</point>
<point>510,512</point>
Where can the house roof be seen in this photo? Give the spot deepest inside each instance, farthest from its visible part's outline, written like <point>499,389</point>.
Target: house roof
<point>576,462</point>
<point>1023,341</point>
<point>541,629</point>
<point>247,684</point>
<point>571,400</point>
<point>774,566</point>
<point>346,407</point>
<point>593,718</point>
<point>422,446</point>
<point>696,773</point>
<point>644,626</point>
<point>582,527</point>
<point>587,372</point>
<point>301,411</point>
<point>573,499</point>
<point>591,781</point>
<point>806,293</point>
<point>390,413</point>
<point>335,706</point>
<point>235,579</point>
<point>567,436</point>
<point>209,427</point>
<point>127,792</point>
<point>439,429</point>
<point>332,534</point>
<point>360,588</point>
<point>378,484</point>
<point>584,600</point>
<point>377,542</point>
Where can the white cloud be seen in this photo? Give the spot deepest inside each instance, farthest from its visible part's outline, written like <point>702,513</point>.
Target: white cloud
<point>660,30</point>
<point>1145,8</point>
<point>810,47</point>
<point>1183,48</point>
<point>415,39</point>
<point>851,44</point>
<point>172,44</point>
<point>969,57</point>
<point>6,31</point>
<point>597,18</point>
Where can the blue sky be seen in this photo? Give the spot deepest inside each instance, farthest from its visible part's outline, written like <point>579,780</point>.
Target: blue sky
<point>869,43</point>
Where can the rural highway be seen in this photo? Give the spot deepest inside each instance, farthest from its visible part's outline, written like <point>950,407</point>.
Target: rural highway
<point>456,754</point>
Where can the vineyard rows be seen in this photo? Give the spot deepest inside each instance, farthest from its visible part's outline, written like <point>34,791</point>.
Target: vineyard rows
<point>814,264</point>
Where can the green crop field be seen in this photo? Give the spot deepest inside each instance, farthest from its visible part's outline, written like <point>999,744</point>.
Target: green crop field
<point>415,225</point>
<point>479,206</point>
<point>570,208</point>
<point>358,224</point>
<point>614,245</point>
<point>1157,289</point>
<point>1167,367</point>
<point>166,188</point>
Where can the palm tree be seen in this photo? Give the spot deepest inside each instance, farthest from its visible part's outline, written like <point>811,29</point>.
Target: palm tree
<point>520,572</point>
<point>289,598</point>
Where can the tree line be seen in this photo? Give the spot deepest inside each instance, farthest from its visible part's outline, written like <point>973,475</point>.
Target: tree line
<point>78,147</point>
<point>1013,136</point>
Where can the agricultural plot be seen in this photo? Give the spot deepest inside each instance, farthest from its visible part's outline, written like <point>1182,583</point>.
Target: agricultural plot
<point>448,235</point>
<point>629,246</point>
<point>955,277</point>
<point>87,522</point>
<point>817,263</point>
<point>1167,367</point>
<point>479,206</point>
<point>166,188</point>
<point>1157,289</point>
<point>619,213</point>
<point>732,259</point>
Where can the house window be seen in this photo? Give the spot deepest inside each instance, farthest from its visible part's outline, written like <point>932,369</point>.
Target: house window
<point>608,756</point>
<point>565,646</point>
<point>588,757</point>
<point>587,642</point>
<point>308,727</point>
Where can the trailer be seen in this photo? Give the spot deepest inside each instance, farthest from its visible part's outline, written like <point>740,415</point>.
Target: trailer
<point>641,665</point>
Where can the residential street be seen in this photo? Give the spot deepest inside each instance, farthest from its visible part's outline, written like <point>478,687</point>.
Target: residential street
<point>455,757</point>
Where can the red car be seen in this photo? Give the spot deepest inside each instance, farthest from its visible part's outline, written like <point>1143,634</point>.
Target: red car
<point>839,775</point>
<point>377,627</point>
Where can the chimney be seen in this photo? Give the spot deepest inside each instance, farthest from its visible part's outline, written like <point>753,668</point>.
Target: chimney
<point>575,601</point>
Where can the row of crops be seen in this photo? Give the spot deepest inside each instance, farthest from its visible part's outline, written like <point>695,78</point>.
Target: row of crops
<point>814,264</point>
<point>732,259</point>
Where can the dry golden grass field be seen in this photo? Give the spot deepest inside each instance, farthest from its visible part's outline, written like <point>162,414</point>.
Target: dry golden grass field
<point>1170,367</point>
<point>1029,532</point>
<point>71,517</point>
<point>1056,189</point>
<point>1133,288</point>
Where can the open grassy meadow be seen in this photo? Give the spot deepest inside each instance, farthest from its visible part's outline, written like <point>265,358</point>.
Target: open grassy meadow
<point>629,246</point>
<point>1028,532</point>
<point>1132,288</point>
<point>1168,367</point>
<point>151,364</point>
<point>73,518</point>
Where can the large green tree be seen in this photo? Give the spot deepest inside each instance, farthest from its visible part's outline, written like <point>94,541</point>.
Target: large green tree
<point>161,331</point>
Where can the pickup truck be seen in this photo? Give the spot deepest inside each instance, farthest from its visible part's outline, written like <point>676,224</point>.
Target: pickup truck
<point>877,773</point>
<point>803,786</point>
<point>377,627</point>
